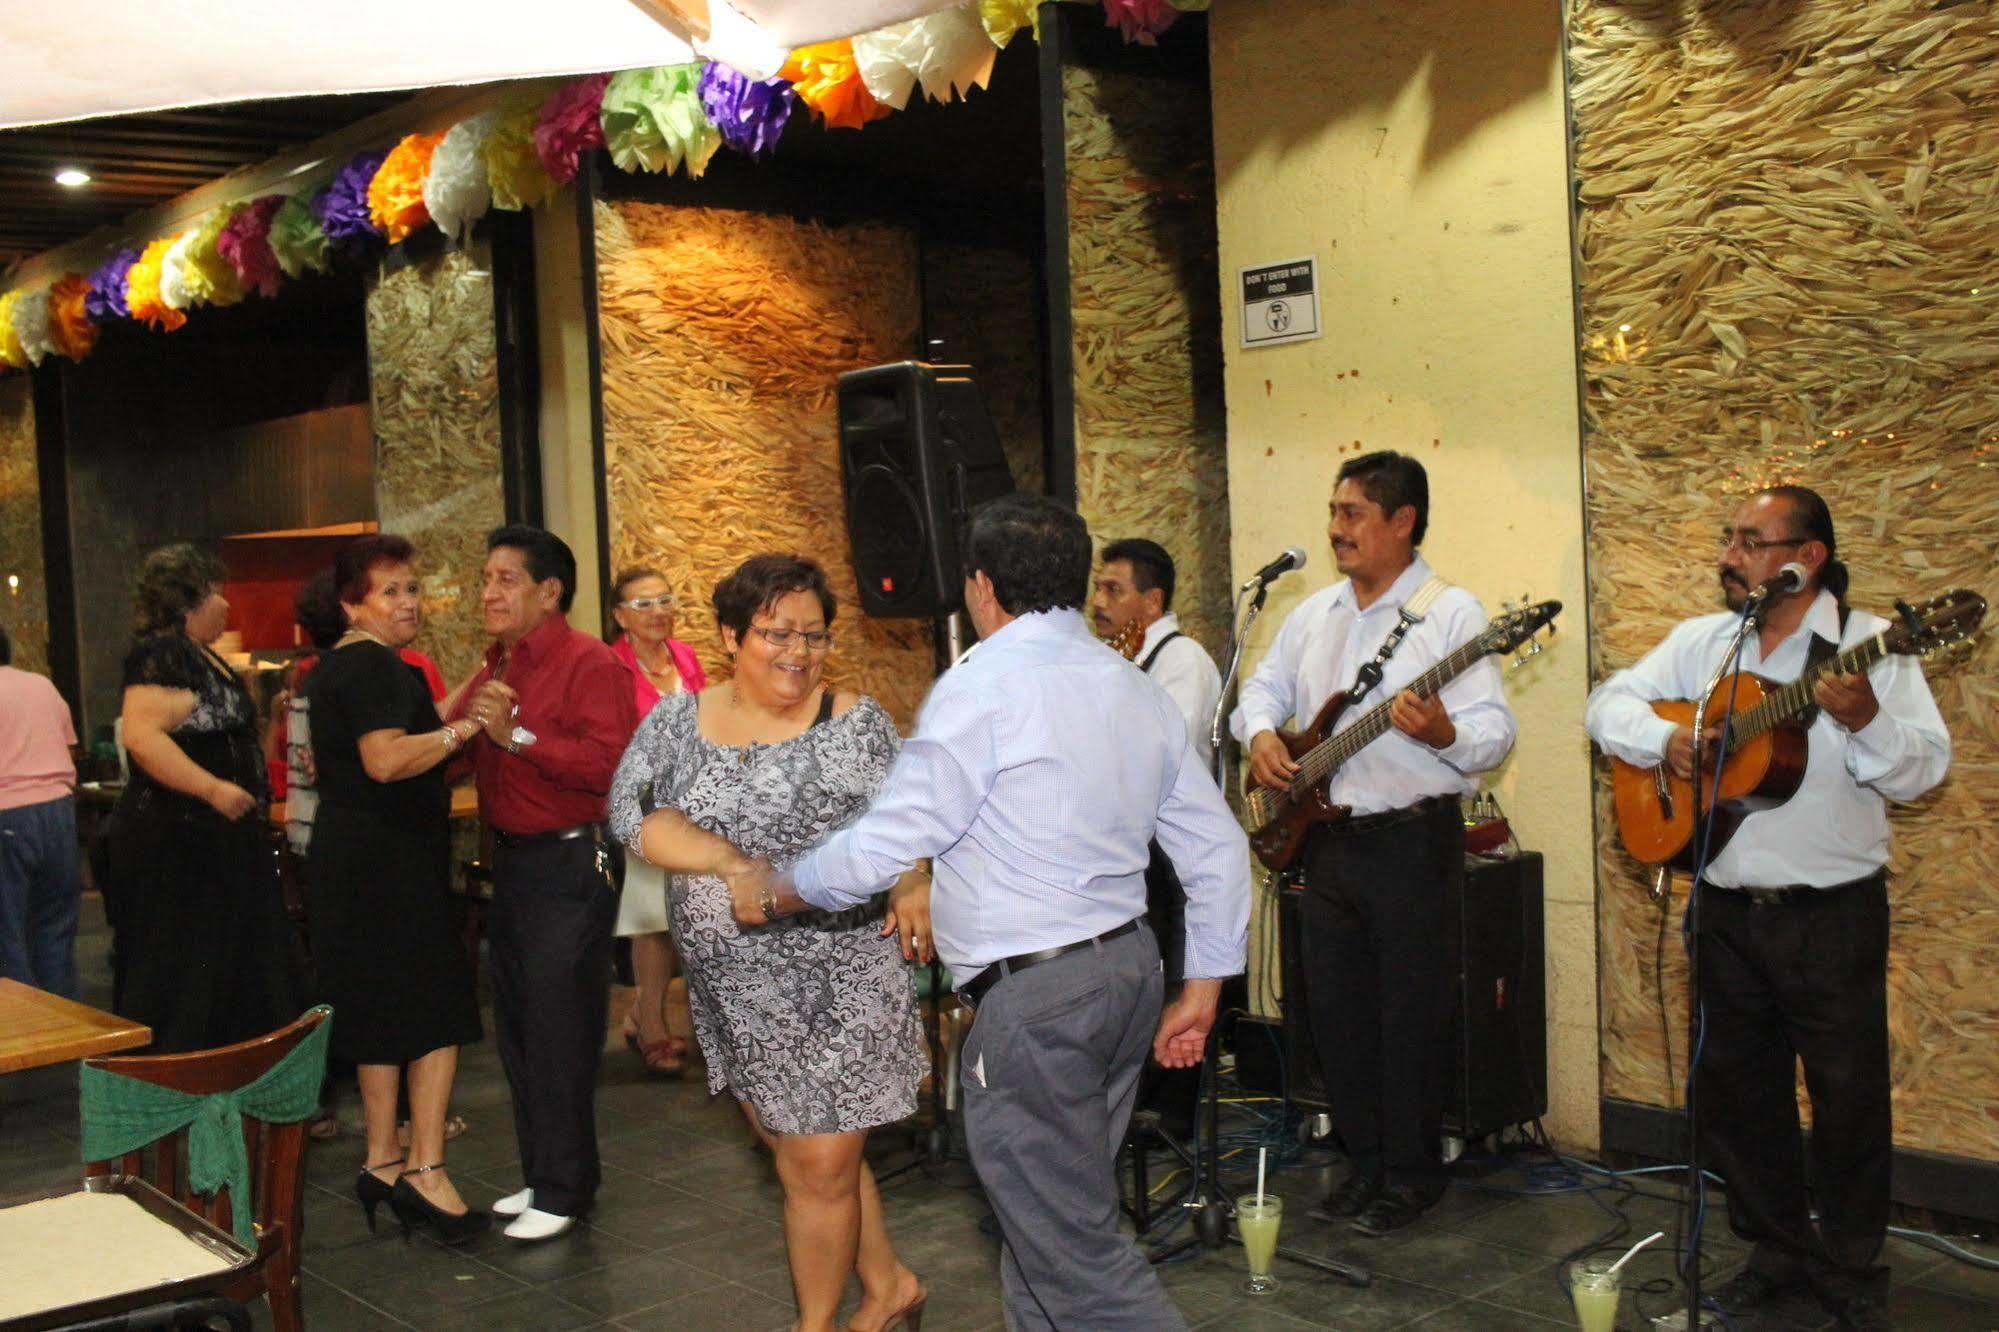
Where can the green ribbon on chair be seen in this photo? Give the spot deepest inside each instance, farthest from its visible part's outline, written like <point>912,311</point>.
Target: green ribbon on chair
<point>122,1114</point>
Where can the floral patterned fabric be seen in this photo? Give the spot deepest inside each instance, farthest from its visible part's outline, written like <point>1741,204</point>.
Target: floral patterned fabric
<point>811,1020</point>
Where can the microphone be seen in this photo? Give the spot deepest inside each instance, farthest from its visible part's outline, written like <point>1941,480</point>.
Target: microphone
<point>1292,558</point>
<point>1788,579</point>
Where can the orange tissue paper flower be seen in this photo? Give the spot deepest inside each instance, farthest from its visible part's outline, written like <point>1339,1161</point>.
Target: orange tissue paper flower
<point>395,195</point>
<point>70,324</point>
<point>142,288</point>
<point>826,79</point>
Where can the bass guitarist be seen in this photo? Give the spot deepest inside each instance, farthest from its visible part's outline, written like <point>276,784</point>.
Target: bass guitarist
<point>1794,941</point>
<point>1378,952</point>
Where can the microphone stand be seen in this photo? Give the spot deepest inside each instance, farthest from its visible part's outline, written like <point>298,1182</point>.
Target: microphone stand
<point>1208,1199</point>
<point>1704,811</point>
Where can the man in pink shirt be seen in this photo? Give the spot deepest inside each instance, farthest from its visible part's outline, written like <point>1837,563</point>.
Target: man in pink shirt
<point>41,878</point>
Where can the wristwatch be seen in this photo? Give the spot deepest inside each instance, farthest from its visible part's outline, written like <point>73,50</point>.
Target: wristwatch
<point>518,739</point>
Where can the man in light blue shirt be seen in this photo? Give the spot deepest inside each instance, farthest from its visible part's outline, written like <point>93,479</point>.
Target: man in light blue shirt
<point>1040,768</point>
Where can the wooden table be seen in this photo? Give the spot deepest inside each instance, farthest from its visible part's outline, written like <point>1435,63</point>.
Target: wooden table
<point>38,1028</point>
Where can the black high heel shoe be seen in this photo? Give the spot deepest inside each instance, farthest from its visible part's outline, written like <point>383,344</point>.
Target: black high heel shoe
<point>413,1209</point>
<point>372,1192</point>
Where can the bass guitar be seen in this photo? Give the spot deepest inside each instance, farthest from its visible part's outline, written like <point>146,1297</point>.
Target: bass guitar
<point>1282,819</point>
<point>1767,744</point>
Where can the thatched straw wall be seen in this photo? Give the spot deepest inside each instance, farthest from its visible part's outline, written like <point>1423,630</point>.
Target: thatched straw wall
<point>1151,458</point>
<point>1788,210</point>
<point>24,608</point>
<point>435,392</point>
<point>723,335</point>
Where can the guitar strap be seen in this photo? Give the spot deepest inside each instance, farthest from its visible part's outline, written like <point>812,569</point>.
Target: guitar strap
<point>1153,655</point>
<point>1411,615</point>
<point>1817,653</point>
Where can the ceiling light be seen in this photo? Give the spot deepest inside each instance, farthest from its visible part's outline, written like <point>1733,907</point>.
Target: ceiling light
<point>72,177</point>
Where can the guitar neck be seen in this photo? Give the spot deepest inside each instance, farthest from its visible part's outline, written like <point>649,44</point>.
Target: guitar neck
<point>1781,705</point>
<point>1325,758</point>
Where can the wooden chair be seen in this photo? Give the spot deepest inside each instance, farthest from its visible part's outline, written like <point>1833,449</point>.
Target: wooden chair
<point>276,1151</point>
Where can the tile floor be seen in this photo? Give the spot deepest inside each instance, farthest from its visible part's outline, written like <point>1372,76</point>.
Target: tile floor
<point>686,1233</point>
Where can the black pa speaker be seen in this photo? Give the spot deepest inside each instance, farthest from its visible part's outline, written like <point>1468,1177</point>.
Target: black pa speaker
<point>1499,1028</point>
<point>917,454</point>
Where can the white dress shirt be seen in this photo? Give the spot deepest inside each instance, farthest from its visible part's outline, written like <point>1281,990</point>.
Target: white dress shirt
<point>1835,829</point>
<point>1319,650</point>
<point>1187,673</point>
<point>1040,767</point>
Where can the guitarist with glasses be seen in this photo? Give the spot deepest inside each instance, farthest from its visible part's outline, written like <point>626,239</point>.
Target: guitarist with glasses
<point>1794,934</point>
<point>1378,953</point>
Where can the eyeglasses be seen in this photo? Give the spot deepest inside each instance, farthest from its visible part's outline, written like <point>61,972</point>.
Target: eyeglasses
<point>1749,545</point>
<point>819,640</point>
<point>650,603</point>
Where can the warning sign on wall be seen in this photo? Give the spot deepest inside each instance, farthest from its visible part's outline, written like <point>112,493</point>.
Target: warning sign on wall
<point>1280,302</point>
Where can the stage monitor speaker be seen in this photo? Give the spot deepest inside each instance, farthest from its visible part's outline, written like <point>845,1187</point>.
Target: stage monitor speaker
<point>1499,1032</point>
<point>917,454</point>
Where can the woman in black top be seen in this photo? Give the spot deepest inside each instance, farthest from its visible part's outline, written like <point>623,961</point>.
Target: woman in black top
<point>378,884</point>
<point>205,953</point>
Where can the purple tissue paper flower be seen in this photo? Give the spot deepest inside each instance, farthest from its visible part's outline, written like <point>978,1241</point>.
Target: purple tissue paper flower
<point>750,113</point>
<point>105,300</point>
<point>342,207</point>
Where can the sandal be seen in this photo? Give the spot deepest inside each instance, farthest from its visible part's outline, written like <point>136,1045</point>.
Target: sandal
<point>454,1127</point>
<point>323,1127</point>
<point>662,1057</point>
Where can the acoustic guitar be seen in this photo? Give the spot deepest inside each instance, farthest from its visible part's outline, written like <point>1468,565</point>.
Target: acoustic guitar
<point>1767,744</point>
<point>1281,820</point>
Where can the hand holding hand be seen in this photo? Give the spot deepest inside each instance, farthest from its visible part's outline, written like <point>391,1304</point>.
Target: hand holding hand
<point>1422,719</point>
<point>1270,763</point>
<point>748,883</point>
<point>1849,699</point>
<point>493,707</point>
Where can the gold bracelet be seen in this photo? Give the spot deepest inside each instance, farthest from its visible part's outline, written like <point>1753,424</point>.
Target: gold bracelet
<point>450,741</point>
<point>767,899</point>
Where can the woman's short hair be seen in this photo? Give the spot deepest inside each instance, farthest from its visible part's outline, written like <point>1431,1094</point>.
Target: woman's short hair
<point>760,580</point>
<point>355,564</point>
<point>632,574</point>
<point>1036,551</point>
<point>171,582</point>
<point>316,605</point>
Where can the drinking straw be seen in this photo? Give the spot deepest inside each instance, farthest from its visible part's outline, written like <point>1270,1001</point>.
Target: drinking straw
<point>1263,1158</point>
<point>1657,1234</point>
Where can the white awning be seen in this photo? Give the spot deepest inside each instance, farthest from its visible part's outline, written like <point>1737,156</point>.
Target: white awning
<point>74,59</point>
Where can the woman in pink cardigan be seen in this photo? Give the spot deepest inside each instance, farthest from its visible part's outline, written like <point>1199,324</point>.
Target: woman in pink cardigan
<point>660,664</point>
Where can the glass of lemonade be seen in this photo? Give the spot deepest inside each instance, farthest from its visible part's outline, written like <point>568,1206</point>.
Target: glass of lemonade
<point>1257,1218</point>
<point>1594,1287</point>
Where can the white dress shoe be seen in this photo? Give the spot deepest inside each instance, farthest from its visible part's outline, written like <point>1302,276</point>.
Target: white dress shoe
<point>538,1225</point>
<point>514,1203</point>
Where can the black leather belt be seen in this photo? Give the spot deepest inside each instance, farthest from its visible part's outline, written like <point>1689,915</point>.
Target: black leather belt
<point>1387,818</point>
<point>972,989</point>
<point>1790,894</point>
<point>521,841</point>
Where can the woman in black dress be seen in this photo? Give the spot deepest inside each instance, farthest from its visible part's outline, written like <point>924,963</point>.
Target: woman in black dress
<point>206,954</point>
<point>378,884</point>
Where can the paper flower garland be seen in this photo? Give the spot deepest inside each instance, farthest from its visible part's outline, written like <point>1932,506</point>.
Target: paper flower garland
<point>142,289</point>
<point>298,242</point>
<point>107,288</point>
<point>11,351</point>
<point>245,243</point>
<point>653,120</point>
<point>395,195</point>
<point>204,273</point>
<point>947,52</point>
<point>455,193</point>
<point>69,323</point>
<point>570,126</point>
<point>1140,21</point>
<point>173,271</point>
<point>1003,18</point>
<point>749,113</point>
<point>512,169</point>
<point>342,207</point>
<point>825,79</point>
<point>31,326</point>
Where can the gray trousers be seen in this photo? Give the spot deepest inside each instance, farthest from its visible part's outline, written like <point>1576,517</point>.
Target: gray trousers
<point>1050,1070</point>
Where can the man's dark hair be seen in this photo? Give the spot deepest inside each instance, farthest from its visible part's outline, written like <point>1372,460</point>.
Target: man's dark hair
<point>760,580</point>
<point>1814,520</point>
<point>1392,480</point>
<point>1150,565</point>
<point>1036,551</point>
<point>173,581</point>
<point>6,648</point>
<point>355,563</point>
<point>545,554</point>
<point>316,607</point>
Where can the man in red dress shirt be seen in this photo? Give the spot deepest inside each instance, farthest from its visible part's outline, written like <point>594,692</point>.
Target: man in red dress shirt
<point>557,712</point>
